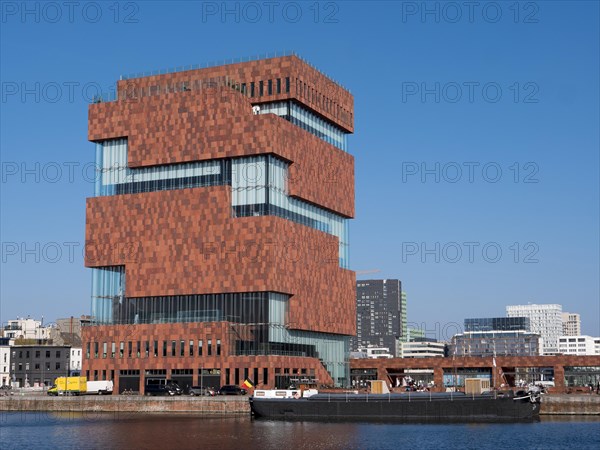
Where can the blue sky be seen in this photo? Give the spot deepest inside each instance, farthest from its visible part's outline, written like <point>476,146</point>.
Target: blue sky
<point>475,131</point>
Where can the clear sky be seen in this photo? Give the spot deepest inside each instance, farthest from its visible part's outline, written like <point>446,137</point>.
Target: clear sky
<point>476,143</point>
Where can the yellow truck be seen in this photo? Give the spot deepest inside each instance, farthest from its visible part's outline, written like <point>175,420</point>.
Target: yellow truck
<point>69,386</point>
<point>79,386</point>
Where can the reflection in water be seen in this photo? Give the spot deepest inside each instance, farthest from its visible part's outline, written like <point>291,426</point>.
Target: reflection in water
<point>149,431</point>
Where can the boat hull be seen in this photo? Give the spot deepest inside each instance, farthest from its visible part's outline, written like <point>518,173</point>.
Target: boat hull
<point>398,408</point>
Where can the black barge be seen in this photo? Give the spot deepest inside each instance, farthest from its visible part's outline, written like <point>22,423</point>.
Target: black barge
<point>414,407</point>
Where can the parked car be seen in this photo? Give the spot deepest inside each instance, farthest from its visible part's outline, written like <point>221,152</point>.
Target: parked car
<point>168,388</point>
<point>200,390</point>
<point>231,389</point>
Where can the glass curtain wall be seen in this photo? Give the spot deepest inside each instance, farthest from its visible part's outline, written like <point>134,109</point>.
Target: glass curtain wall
<point>309,121</point>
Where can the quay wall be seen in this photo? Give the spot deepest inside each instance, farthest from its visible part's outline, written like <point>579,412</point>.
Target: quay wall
<point>122,405</point>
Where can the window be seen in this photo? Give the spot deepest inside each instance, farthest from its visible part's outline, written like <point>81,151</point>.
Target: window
<point>181,348</point>
<point>121,349</point>
<point>37,354</point>
<point>173,350</point>
<point>252,89</point>
<point>129,349</point>
<point>147,351</point>
<point>200,347</point>
<point>58,353</point>
<point>209,351</point>
<point>270,87</point>
<point>155,349</point>
<point>37,366</point>
<point>218,347</point>
<point>287,85</point>
<point>113,349</point>
<point>95,351</point>
<point>26,366</point>
<point>138,349</point>
<point>104,349</point>
<point>279,85</point>
<point>164,352</point>
<point>57,366</point>
<point>261,88</point>
<point>27,354</point>
<point>191,348</point>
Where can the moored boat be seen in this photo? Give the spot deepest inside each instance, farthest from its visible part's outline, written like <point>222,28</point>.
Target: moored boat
<point>424,407</point>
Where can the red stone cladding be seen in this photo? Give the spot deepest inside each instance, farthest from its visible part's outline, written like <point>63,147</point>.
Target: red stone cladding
<point>503,364</point>
<point>186,332</point>
<point>186,242</point>
<point>307,85</point>
<point>218,123</point>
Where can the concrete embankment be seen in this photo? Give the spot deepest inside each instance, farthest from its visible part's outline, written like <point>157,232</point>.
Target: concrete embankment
<point>554,404</point>
<point>128,404</point>
<point>571,404</point>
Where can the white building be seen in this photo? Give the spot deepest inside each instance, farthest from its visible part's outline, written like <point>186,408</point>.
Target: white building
<point>422,349</point>
<point>579,345</point>
<point>28,328</point>
<point>545,320</point>
<point>376,352</point>
<point>571,324</point>
<point>4,364</point>
<point>75,361</point>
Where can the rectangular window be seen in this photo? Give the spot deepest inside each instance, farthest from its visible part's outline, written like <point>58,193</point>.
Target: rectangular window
<point>129,349</point>
<point>113,349</point>
<point>95,375</point>
<point>287,85</point>
<point>21,354</point>
<point>261,88</point>
<point>87,350</point>
<point>104,349</point>
<point>37,366</point>
<point>155,349</point>
<point>121,349</point>
<point>57,366</point>
<point>138,349</point>
<point>57,354</point>
<point>252,89</point>
<point>200,347</point>
<point>26,366</point>
<point>244,88</point>
<point>227,375</point>
<point>164,348</point>
<point>279,85</point>
<point>218,347</point>
<point>47,366</point>
<point>209,347</point>
<point>265,376</point>
<point>270,87</point>
<point>104,374</point>
<point>87,374</point>
<point>173,348</point>
<point>95,351</point>
<point>255,378</point>
<point>27,354</point>
<point>236,379</point>
<point>181,348</point>
<point>191,348</point>
<point>147,352</point>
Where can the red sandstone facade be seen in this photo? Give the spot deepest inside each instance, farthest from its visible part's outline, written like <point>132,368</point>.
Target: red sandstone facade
<point>187,242</point>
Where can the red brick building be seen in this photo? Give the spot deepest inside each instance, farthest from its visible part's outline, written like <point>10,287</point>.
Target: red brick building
<point>218,234</point>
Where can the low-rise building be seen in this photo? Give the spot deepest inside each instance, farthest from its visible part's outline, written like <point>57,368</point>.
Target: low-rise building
<point>75,361</point>
<point>37,365</point>
<point>26,329</point>
<point>422,348</point>
<point>579,345</point>
<point>496,343</point>
<point>376,352</point>
<point>4,362</point>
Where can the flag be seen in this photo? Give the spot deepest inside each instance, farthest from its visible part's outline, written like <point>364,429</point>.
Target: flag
<point>248,383</point>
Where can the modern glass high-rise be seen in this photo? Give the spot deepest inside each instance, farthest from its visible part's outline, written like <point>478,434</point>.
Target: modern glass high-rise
<point>380,319</point>
<point>218,235</point>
